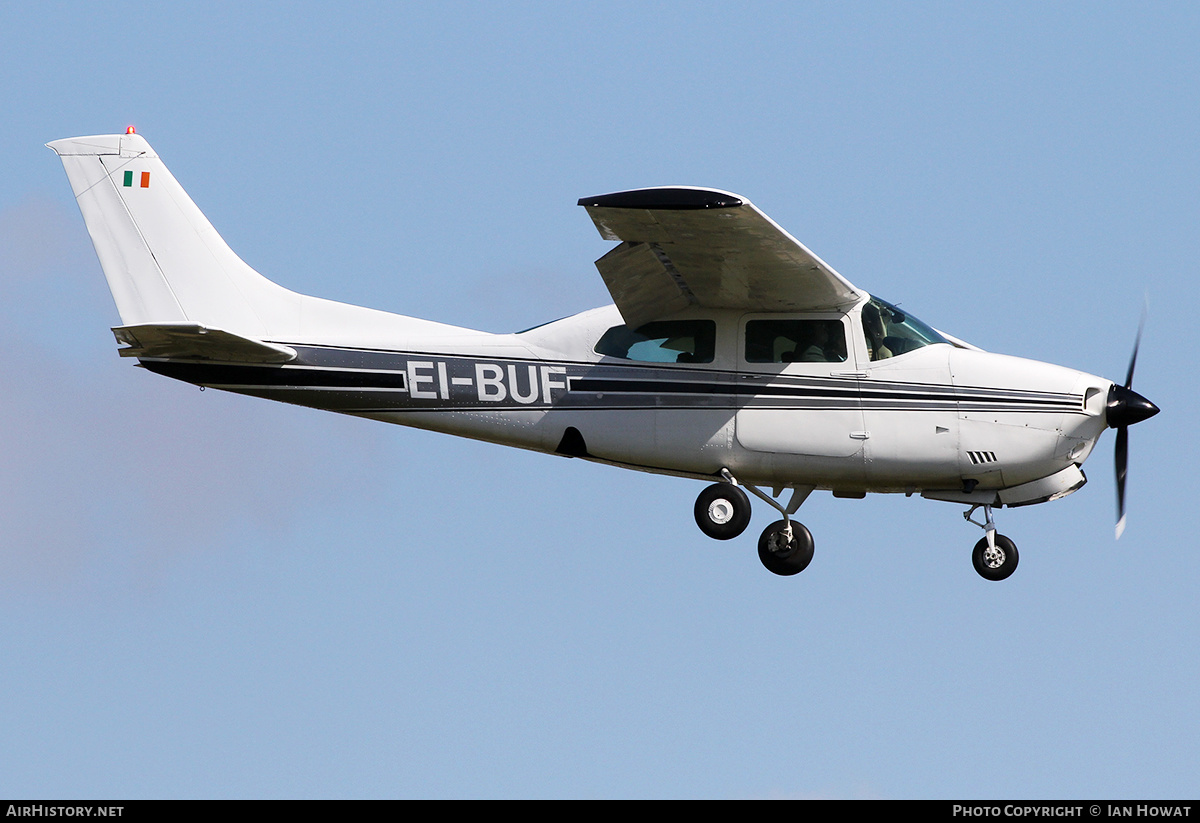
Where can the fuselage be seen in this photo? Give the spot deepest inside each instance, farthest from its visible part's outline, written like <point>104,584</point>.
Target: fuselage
<point>941,417</point>
<point>744,352</point>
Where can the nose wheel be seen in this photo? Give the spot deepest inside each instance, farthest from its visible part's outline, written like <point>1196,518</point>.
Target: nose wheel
<point>995,562</point>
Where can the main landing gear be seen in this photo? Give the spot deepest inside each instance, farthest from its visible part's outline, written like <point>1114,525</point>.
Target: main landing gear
<point>723,512</point>
<point>995,557</point>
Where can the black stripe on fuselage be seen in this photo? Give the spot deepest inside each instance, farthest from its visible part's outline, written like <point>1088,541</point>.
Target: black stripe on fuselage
<point>209,374</point>
<point>327,370</point>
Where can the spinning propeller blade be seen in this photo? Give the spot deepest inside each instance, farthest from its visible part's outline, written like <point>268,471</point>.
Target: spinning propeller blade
<point>1126,407</point>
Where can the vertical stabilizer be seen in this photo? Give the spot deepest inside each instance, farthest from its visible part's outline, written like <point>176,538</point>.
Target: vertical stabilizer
<point>167,267</point>
<point>163,260</point>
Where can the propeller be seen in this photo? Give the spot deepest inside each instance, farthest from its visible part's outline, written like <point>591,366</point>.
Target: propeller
<point>1126,407</point>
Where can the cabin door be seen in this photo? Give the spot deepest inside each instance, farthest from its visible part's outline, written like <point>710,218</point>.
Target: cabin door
<point>798,391</point>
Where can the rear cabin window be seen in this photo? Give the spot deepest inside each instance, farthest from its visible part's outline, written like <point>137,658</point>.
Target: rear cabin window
<point>664,341</point>
<point>795,341</point>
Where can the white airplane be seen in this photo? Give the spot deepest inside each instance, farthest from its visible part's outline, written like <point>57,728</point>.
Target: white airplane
<point>732,354</point>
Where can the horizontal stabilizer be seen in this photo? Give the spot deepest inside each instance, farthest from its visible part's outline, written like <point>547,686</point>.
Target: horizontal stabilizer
<point>192,341</point>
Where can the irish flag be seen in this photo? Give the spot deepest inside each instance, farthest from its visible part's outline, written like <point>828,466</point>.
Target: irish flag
<point>145,179</point>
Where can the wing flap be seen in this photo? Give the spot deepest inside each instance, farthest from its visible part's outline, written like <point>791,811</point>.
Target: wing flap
<point>643,283</point>
<point>717,250</point>
<point>192,341</point>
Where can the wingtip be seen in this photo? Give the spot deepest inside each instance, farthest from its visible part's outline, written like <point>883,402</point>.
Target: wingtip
<point>667,198</point>
<point>1120,527</point>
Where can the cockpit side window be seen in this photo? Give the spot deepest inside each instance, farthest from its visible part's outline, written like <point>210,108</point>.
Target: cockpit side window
<point>795,341</point>
<point>891,332</point>
<point>664,341</point>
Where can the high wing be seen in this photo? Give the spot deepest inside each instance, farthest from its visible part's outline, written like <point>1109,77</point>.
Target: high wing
<point>686,247</point>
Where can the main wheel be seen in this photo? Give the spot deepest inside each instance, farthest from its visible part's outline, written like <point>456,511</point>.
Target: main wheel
<point>722,511</point>
<point>995,564</point>
<point>782,556</point>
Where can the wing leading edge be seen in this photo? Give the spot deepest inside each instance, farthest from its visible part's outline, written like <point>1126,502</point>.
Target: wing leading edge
<point>684,247</point>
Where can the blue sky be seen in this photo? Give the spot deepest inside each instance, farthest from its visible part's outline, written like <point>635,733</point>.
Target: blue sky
<point>204,595</point>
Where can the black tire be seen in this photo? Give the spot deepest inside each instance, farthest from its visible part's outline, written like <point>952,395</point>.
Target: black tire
<point>722,511</point>
<point>790,559</point>
<point>1000,566</point>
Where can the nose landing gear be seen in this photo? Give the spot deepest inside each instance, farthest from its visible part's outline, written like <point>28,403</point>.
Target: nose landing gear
<point>995,557</point>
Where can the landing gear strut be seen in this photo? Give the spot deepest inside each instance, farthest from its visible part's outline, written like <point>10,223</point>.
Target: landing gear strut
<point>995,557</point>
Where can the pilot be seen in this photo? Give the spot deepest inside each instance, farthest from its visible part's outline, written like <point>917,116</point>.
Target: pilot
<point>873,327</point>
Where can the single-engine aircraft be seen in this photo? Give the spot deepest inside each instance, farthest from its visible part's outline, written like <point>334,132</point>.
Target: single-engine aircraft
<point>733,354</point>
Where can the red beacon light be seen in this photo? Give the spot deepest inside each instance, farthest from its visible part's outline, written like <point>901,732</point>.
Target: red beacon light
<point>130,130</point>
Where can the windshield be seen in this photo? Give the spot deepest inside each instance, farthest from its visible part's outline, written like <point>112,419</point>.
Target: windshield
<point>891,331</point>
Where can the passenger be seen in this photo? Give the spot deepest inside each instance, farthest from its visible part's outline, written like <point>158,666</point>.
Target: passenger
<point>816,351</point>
